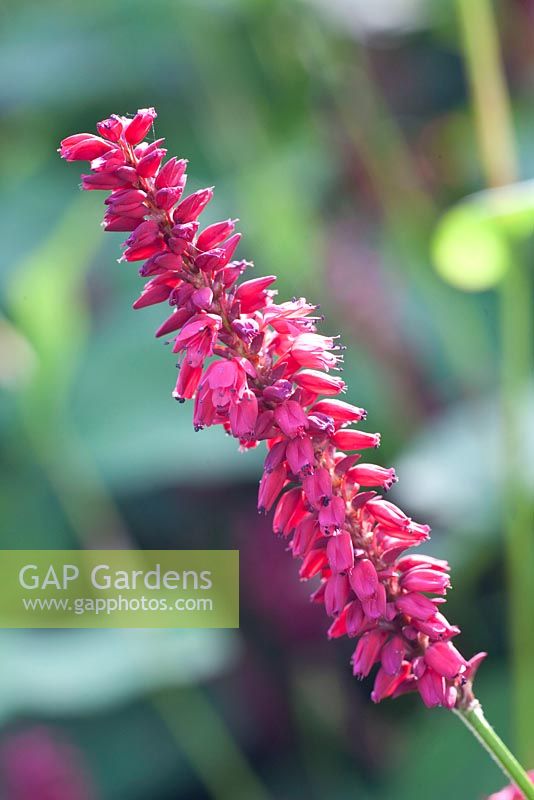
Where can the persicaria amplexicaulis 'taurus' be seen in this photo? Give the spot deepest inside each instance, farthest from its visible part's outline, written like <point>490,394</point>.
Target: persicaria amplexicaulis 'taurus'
<point>260,369</point>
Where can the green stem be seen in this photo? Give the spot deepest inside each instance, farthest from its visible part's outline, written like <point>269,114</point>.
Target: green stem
<point>496,141</point>
<point>474,719</point>
<point>516,331</point>
<point>491,101</point>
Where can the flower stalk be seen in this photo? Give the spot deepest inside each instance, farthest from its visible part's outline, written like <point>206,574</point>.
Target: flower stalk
<point>475,721</point>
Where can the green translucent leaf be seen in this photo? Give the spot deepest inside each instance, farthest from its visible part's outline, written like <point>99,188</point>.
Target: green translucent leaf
<point>468,251</point>
<point>474,242</point>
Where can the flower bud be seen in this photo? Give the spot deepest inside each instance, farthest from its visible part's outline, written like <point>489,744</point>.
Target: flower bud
<point>202,298</point>
<point>386,684</point>
<point>278,391</point>
<point>192,206</point>
<point>118,223</point>
<point>371,475</point>
<point>336,594</point>
<point>340,411</point>
<point>83,147</point>
<point>347,439</point>
<point>137,129</point>
<point>425,580</point>
<point>288,504</point>
<point>251,294</point>
<point>168,197</point>
<point>432,689</point>
<point>318,487</point>
<point>332,514</point>
<point>415,605</point>
<point>271,485</point>
<point>210,260</point>
<point>340,552</point>
<point>110,128</point>
<point>171,174</point>
<point>148,165</point>
<point>291,418</point>
<point>444,658</point>
<point>393,654</point>
<point>313,563</point>
<point>305,537</point>
<point>319,383</point>
<point>367,652</point>
<point>188,380</point>
<point>178,318</point>
<point>215,234</point>
<point>101,181</point>
<point>300,455</point>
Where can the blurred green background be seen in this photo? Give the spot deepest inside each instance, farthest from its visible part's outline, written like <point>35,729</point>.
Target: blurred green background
<point>345,136</point>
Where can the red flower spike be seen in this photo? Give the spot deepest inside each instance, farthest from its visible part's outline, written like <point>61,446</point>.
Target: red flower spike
<point>270,380</point>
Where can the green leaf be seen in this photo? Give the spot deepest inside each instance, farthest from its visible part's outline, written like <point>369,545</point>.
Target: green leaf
<point>45,299</point>
<point>75,672</point>
<point>450,474</point>
<point>474,242</point>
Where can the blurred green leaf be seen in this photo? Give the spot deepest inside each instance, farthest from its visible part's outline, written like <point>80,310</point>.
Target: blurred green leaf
<point>468,250</point>
<point>76,672</point>
<point>474,242</point>
<point>450,474</point>
<point>46,301</point>
<point>283,192</point>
